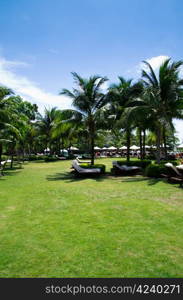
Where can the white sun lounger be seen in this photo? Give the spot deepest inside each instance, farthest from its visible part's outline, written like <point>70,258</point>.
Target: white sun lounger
<point>175,169</point>
<point>124,167</point>
<point>81,170</point>
<point>175,176</point>
<point>84,161</point>
<point>3,164</point>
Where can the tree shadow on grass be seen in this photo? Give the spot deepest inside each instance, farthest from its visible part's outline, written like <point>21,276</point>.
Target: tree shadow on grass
<point>73,177</point>
<point>152,181</point>
<point>10,172</point>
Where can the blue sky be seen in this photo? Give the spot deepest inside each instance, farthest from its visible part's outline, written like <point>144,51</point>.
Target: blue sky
<point>42,41</point>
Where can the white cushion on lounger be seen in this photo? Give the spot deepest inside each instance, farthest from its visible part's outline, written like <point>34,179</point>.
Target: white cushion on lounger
<point>180,167</point>
<point>79,169</point>
<point>125,167</point>
<point>170,165</point>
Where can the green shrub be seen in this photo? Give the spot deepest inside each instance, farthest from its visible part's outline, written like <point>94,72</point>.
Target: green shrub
<point>100,166</point>
<point>150,156</point>
<point>173,162</point>
<point>50,158</point>
<point>86,156</point>
<point>155,170</point>
<point>33,157</point>
<point>139,163</point>
<point>71,156</point>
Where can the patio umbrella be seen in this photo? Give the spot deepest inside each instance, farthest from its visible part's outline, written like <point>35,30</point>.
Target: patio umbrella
<point>73,148</point>
<point>134,147</point>
<point>180,146</point>
<point>123,148</point>
<point>97,148</point>
<point>112,148</point>
<point>63,150</point>
<point>104,148</point>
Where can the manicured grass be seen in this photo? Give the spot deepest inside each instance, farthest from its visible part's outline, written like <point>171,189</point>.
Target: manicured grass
<point>54,225</point>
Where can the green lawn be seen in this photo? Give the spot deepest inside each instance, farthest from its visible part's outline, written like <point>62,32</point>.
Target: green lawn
<point>53,225</point>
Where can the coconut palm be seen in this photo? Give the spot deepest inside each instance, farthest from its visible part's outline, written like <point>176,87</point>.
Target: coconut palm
<point>162,98</point>
<point>87,99</point>
<point>4,115</point>
<point>45,125</point>
<point>119,96</point>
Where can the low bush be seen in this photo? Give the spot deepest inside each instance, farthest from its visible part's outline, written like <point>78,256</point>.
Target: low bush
<point>139,163</point>
<point>173,162</point>
<point>50,158</point>
<point>100,166</point>
<point>86,156</point>
<point>155,170</point>
<point>71,156</point>
<point>33,157</point>
<point>150,156</point>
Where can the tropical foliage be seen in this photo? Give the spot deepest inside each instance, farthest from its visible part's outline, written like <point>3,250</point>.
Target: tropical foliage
<point>126,112</point>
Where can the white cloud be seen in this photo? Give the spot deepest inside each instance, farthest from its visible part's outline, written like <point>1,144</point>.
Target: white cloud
<point>28,89</point>
<point>179,129</point>
<point>105,86</point>
<point>155,62</point>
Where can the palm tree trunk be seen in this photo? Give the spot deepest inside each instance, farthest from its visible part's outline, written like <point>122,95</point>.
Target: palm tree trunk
<point>1,150</point>
<point>158,143</point>
<point>128,136</point>
<point>92,151</point>
<point>1,167</point>
<point>140,142</point>
<point>11,166</point>
<point>165,145</point>
<point>92,143</point>
<point>69,149</point>
<point>144,142</point>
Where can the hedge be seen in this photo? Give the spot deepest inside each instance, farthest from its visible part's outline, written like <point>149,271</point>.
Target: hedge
<point>50,158</point>
<point>155,170</point>
<point>36,157</point>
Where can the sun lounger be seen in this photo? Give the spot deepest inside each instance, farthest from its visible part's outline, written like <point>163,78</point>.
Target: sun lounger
<point>2,167</point>
<point>61,157</point>
<point>174,175</point>
<point>124,169</point>
<point>83,161</point>
<point>173,171</point>
<point>84,171</point>
<point>180,169</point>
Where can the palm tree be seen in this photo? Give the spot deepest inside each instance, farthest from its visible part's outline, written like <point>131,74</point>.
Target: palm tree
<point>4,115</point>
<point>45,125</point>
<point>119,96</point>
<point>163,98</point>
<point>64,132</point>
<point>88,99</point>
<point>167,92</point>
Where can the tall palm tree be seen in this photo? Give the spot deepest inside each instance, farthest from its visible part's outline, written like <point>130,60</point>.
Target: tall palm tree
<point>162,99</point>
<point>4,115</point>
<point>87,99</point>
<point>45,125</point>
<point>64,131</point>
<point>119,96</point>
